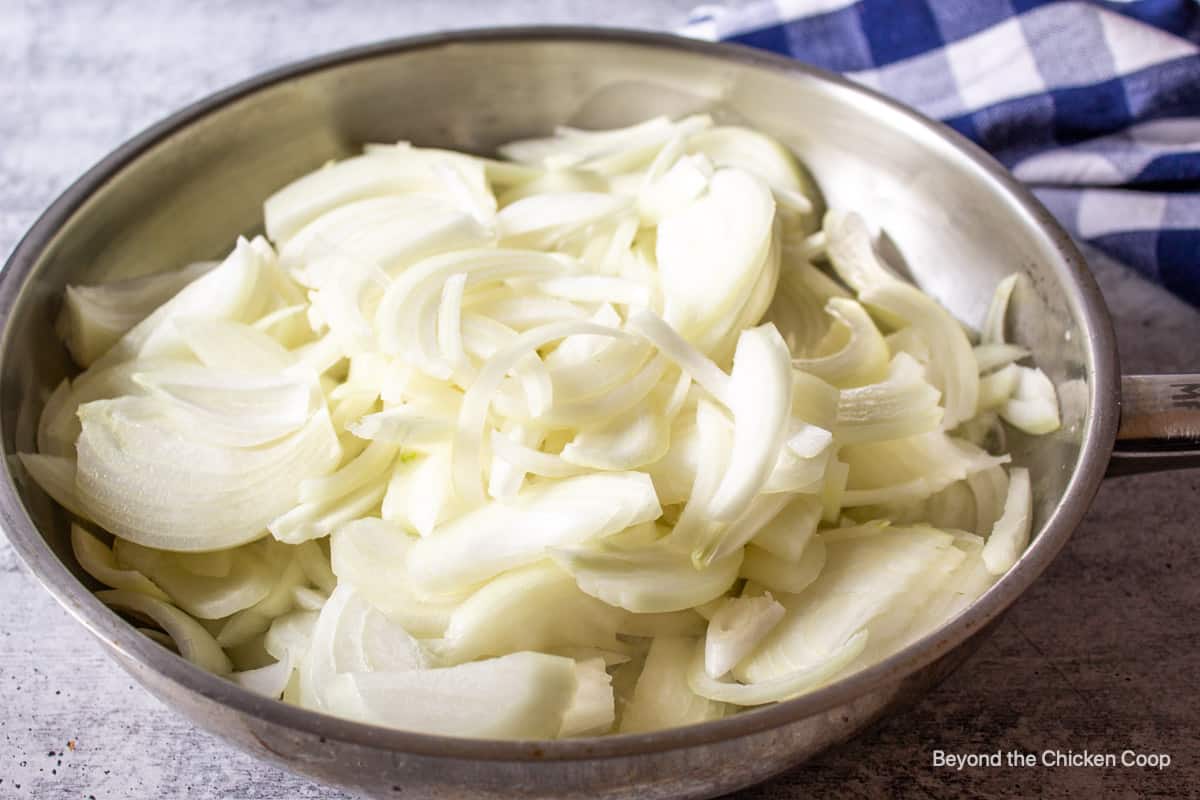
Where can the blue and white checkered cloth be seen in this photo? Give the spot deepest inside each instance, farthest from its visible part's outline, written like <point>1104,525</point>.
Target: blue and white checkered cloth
<point>1095,105</point>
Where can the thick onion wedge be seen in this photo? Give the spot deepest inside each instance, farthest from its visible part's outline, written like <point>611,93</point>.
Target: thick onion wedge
<point>593,708</point>
<point>867,569</point>
<point>477,545</point>
<point>93,318</point>
<point>662,697</point>
<point>145,481</point>
<point>517,696</point>
<point>738,625</point>
<point>711,252</point>
<point>648,579</point>
<point>372,555</point>
<point>538,607</point>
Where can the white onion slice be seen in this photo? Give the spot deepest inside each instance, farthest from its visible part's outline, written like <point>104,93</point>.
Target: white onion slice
<point>651,579</point>
<point>766,569</point>
<point>146,482</point>
<point>952,367</point>
<point>537,608</point>
<point>760,397</point>
<point>777,688</point>
<point>1034,404</point>
<point>736,627</point>
<point>862,356</point>
<point>711,252</point>
<point>902,405</point>
<point>518,696</point>
<point>1010,534</point>
<point>97,560</point>
<point>191,639</point>
<point>477,545</point>
<point>371,555</point>
<point>93,318</point>
<point>662,697</point>
<point>592,711</point>
<point>472,417</point>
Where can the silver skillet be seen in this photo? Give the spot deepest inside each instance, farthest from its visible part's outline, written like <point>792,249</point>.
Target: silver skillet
<point>182,191</point>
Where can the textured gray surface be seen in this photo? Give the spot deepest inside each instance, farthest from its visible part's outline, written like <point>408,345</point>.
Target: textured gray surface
<point>1100,655</point>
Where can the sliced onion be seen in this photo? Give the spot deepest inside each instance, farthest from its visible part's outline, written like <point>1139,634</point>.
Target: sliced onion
<point>56,477</point>
<point>697,365</point>
<point>191,639</point>
<point>234,409</point>
<point>867,570</point>
<point>93,318</point>
<point>249,581</point>
<point>472,418</point>
<point>420,495</point>
<point>1034,404</point>
<point>382,171</point>
<point>711,253</point>
<point>226,345</point>
<point>592,711</point>
<point>989,488</point>
<point>1010,535</point>
<point>232,290</point>
<point>760,397</point>
<point>952,367</point>
<point>662,697</point>
<point>910,469</point>
<point>97,560</point>
<point>531,461</point>
<point>627,442</point>
<point>736,627</point>
<point>995,356</point>
<point>993,325</point>
<point>269,681</point>
<point>650,579</point>
<point>387,232</point>
<point>370,466</point>
<point>736,146</point>
<point>776,574</point>
<point>148,483</point>
<point>372,555</point>
<point>778,688</point>
<point>996,389</point>
<point>903,405</point>
<point>538,607</point>
<point>539,219</point>
<point>862,356</point>
<point>787,534</point>
<point>58,427</point>
<point>477,545</point>
<point>518,696</point>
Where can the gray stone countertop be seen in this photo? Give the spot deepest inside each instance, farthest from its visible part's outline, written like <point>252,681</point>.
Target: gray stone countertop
<point>1101,654</point>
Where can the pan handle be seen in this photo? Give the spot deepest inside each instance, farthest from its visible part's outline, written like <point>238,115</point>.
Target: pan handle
<point>1160,424</point>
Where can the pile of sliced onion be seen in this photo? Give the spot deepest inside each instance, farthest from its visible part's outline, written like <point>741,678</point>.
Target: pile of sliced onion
<point>615,435</point>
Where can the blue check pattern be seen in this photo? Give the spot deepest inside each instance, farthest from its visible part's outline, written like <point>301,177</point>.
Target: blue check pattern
<point>1095,105</point>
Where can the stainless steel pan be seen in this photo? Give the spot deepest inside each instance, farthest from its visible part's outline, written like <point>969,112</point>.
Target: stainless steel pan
<point>184,189</point>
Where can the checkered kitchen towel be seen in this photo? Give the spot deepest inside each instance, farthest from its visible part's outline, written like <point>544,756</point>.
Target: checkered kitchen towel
<point>1095,105</point>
